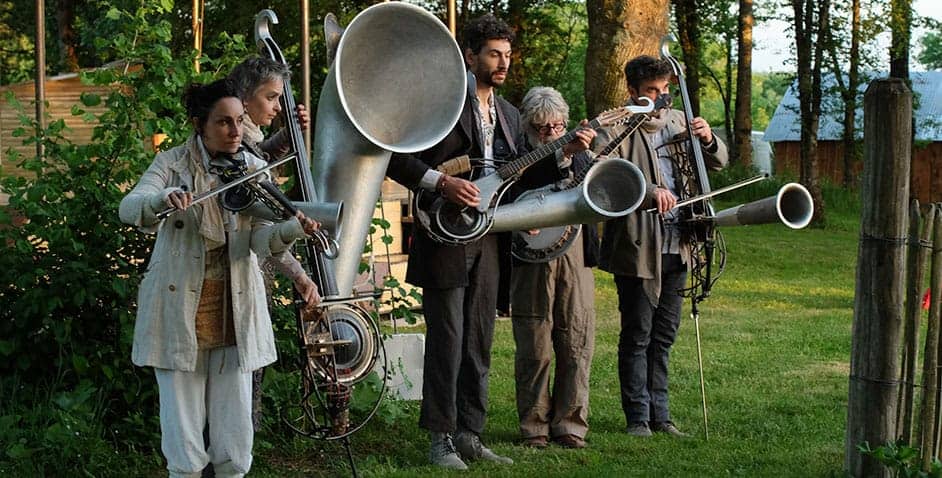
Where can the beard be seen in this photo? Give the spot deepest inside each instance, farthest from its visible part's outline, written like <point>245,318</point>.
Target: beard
<point>488,77</point>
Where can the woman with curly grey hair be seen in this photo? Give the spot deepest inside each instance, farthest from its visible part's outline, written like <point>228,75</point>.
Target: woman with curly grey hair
<point>553,308</point>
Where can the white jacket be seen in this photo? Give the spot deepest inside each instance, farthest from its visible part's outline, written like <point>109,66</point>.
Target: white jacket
<point>165,330</point>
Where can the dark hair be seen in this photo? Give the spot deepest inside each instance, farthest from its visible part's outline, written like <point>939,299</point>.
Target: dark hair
<point>253,72</point>
<point>200,99</point>
<point>644,68</point>
<point>486,27</point>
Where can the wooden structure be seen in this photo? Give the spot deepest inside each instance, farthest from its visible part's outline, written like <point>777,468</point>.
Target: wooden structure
<point>878,298</point>
<point>926,167</point>
<point>62,92</point>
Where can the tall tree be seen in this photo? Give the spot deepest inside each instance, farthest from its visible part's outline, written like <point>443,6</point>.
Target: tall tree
<point>688,27</point>
<point>931,54</point>
<point>901,21</point>
<point>618,31</point>
<point>65,20</point>
<point>743,121</point>
<point>809,77</point>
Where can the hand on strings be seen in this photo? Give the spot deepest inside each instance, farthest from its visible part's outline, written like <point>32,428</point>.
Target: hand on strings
<point>307,289</point>
<point>459,191</point>
<point>180,199</point>
<point>581,142</point>
<point>309,225</point>
<point>665,200</point>
<point>304,120</point>
<point>701,129</point>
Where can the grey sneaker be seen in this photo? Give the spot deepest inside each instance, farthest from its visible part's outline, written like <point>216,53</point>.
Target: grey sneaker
<point>442,452</point>
<point>668,428</point>
<point>639,429</point>
<point>470,448</point>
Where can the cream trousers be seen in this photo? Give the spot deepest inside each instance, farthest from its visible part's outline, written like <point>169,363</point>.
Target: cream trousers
<point>217,393</point>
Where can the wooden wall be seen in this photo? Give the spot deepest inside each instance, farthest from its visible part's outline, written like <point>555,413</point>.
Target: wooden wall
<point>61,93</point>
<point>926,180</point>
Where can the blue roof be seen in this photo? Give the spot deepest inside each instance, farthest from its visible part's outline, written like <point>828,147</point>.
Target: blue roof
<point>785,124</point>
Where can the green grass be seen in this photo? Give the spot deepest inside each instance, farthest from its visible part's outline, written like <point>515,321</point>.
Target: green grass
<point>776,348</point>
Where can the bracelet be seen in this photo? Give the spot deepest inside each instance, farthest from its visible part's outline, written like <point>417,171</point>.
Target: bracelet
<point>440,187</point>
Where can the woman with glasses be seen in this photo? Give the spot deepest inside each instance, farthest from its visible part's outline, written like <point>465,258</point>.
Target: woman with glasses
<point>553,308</point>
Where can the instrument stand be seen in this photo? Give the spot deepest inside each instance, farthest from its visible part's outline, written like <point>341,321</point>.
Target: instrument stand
<point>695,314</point>
<point>353,465</point>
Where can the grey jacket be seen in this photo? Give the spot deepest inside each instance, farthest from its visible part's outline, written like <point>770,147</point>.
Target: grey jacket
<point>165,330</point>
<point>631,246</point>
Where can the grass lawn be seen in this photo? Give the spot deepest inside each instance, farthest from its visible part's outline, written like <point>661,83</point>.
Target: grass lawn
<point>776,349</point>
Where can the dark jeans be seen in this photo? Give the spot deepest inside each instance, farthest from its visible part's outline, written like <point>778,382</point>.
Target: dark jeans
<point>644,345</point>
<point>459,333</point>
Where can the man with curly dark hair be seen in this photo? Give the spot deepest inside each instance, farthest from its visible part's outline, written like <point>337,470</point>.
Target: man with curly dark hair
<point>460,282</point>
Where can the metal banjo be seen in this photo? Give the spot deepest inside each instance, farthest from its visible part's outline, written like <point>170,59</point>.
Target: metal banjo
<point>549,243</point>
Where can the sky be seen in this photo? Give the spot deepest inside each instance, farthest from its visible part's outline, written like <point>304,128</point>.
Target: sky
<point>773,46</point>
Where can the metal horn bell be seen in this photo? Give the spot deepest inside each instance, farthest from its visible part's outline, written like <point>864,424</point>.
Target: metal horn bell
<point>397,85</point>
<point>612,188</point>
<point>792,206</point>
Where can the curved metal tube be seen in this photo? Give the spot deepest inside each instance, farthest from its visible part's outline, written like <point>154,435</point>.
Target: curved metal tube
<point>612,188</point>
<point>397,85</point>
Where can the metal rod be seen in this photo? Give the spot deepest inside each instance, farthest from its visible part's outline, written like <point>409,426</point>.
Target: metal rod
<point>305,75</point>
<point>696,324</point>
<point>40,76</point>
<point>452,18</point>
<point>230,185</point>
<point>715,192</point>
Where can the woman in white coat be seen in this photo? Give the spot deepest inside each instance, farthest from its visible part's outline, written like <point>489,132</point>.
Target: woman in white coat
<point>202,319</point>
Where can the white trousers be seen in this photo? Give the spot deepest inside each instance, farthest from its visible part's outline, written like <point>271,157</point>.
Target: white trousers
<point>217,392</point>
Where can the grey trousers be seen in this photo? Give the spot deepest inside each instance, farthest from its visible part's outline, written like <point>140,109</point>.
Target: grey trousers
<point>644,345</point>
<point>459,333</point>
<point>553,306</point>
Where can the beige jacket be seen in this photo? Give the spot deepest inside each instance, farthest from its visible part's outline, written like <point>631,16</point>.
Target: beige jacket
<point>165,330</point>
<point>631,245</point>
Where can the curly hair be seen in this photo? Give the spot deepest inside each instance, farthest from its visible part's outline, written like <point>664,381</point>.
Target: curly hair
<point>486,27</point>
<point>644,68</point>
<point>254,72</point>
<point>199,99</point>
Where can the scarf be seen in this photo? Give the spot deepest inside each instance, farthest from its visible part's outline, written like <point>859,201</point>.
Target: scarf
<point>212,226</point>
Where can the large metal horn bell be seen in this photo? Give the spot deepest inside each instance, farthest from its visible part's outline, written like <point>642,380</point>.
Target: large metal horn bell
<point>397,85</point>
<point>612,188</point>
<point>792,206</point>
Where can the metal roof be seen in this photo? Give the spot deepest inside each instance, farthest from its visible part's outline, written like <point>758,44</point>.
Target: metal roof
<point>927,85</point>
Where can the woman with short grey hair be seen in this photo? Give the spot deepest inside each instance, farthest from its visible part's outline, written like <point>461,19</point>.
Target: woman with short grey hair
<point>553,309</point>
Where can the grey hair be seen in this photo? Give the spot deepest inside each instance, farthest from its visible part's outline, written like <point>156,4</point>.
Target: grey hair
<point>542,103</point>
<point>254,72</point>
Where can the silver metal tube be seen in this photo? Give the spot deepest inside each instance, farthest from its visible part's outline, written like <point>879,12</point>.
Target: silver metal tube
<point>397,84</point>
<point>612,188</point>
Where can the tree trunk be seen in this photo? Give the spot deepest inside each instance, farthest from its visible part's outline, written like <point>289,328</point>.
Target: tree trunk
<point>727,101</point>
<point>850,97</point>
<point>65,19</point>
<point>688,26</point>
<point>901,20</point>
<point>743,121</point>
<point>807,82</point>
<point>619,30</point>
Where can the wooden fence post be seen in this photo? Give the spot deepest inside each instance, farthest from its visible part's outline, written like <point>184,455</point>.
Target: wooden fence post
<point>915,276</point>
<point>930,370</point>
<point>878,299</point>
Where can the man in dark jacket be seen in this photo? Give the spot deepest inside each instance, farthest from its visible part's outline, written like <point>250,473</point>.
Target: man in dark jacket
<point>647,253</point>
<point>460,281</point>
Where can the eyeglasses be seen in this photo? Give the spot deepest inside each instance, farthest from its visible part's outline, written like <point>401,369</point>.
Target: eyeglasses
<point>546,128</point>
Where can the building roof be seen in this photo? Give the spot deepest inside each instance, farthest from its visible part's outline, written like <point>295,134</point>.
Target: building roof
<point>785,124</point>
